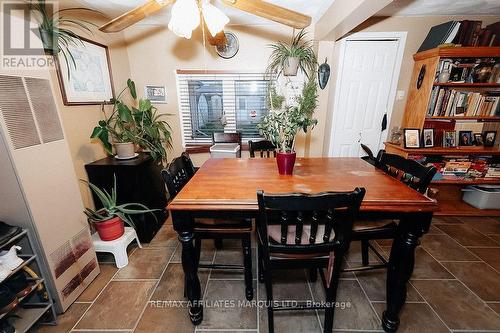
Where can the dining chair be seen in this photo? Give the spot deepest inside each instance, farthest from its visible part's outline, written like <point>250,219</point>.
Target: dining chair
<point>265,148</point>
<point>370,158</point>
<point>409,172</point>
<point>176,176</point>
<point>220,137</point>
<point>301,231</point>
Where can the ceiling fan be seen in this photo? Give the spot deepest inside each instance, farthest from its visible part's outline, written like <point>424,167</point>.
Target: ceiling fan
<point>186,16</point>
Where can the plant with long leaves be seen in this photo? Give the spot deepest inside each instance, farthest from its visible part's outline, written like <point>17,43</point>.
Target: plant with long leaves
<point>299,47</point>
<point>55,30</point>
<point>140,124</point>
<point>111,209</point>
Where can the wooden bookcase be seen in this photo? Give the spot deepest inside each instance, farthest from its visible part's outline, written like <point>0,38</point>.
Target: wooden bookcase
<point>415,116</point>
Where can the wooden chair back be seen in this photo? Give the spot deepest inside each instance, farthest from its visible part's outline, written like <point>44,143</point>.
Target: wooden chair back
<point>310,219</point>
<point>219,137</point>
<point>265,148</point>
<point>410,172</point>
<point>177,174</point>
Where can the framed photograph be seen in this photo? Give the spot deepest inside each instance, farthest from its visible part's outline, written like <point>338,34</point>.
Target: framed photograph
<point>465,138</point>
<point>412,137</point>
<point>428,137</point>
<point>489,138</point>
<point>89,81</point>
<point>449,139</point>
<point>478,139</point>
<point>156,94</point>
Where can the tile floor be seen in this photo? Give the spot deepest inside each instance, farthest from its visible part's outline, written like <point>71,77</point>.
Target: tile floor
<point>455,287</point>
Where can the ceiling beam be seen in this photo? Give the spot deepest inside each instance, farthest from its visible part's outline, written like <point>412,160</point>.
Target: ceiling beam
<point>345,15</point>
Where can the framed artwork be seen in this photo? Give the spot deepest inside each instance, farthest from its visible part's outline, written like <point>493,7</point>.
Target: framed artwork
<point>156,94</point>
<point>89,80</point>
<point>412,137</point>
<point>449,139</point>
<point>478,139</point>
<point>465,138</point>
<point>489,138</point>
<point>428,137</point>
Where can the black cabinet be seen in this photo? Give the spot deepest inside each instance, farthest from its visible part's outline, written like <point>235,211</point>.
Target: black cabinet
<point>137,180</point>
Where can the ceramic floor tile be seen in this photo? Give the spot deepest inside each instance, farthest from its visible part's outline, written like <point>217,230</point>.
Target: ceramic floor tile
<point>495,307</point>
<point>467,236</point>
<point>291,321</point>
<point>459,308</point>
<point>426,267</point>
<point>446,220</point>
<point>479,277</point>
<point>416,317</point>
<point>91,292</point>
<point>485,225</point>
<point>443,247</point>
<point>146,263</point>
<point>223,308</point>
<point>207,252</point>
<point>171,286</point>
<point>374,282</point>
<point>232,256</point>
<point>354,254</point>
<point>119,306</point>
<point>164,319</point>
<point>65,322</point>
<point>289,285</point>
<point>166,236</point>
<point>490,255</point>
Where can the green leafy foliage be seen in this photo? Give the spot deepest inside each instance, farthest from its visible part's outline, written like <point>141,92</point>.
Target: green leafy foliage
<point>140,124</point>
<point>298,47</point>
<point>111,209</point>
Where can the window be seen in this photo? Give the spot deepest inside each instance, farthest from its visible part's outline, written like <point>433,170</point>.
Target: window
<point>220,103</point>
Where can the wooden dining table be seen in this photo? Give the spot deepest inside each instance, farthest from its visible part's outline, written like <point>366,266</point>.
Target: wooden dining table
<point>226,188</point>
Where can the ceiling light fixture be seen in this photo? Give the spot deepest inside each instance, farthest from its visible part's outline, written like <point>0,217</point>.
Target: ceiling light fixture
<point>186,17</point>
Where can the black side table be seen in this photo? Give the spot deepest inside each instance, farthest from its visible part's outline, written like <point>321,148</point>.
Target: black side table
<point>137,180</point>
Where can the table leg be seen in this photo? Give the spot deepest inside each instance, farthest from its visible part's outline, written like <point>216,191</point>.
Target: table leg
<point>183,224</point>
<point>401,263</point>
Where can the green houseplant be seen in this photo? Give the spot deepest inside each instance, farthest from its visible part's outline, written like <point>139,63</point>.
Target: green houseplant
<point>55,29</point>
<point>283,123</point>
<point>109,220</point>
<point>129,126</point>
<point>287,58</point>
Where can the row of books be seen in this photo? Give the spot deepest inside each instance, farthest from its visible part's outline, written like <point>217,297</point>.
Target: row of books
<point>463,168</point>
<point>446,102</point>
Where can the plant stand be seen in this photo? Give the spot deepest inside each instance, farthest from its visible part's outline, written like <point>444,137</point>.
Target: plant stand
<point>117,247</point>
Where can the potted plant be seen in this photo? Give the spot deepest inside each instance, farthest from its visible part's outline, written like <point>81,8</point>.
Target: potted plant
<point>54,29</point>
<point>138,125</point>
<point>287,58</point>
<point>283,123</point>
<point>109,220</point>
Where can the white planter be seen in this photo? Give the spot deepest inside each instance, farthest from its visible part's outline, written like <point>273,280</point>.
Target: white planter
<point>124,149</point>
<point>291,66</point>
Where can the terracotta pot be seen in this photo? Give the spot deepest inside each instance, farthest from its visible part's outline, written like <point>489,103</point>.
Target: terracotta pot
<point>111,229</point>
<point>285,161</point>
<point>291,66</point>
<point>124,150</point>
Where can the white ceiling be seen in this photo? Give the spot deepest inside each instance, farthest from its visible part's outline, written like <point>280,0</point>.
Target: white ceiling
<point>114,8</point>
<point>441,7</point>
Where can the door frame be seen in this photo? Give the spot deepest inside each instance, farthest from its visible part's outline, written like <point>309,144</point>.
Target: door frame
<point>400,38</point>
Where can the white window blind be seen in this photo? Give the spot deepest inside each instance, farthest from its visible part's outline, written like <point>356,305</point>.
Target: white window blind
<point>220,102</point>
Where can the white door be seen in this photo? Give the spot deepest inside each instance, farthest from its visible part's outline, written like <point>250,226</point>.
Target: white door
<point>363,100</point>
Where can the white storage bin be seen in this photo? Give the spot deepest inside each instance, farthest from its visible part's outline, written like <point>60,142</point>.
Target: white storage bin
<point>482,197</point>
<point>225,150</point>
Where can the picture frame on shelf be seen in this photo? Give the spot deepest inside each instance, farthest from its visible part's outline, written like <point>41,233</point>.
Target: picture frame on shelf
<point>465,138</point>
<point>156,94</point>
<point>489,138</point>
<point>478,139</point>
<point>90,82</point>
<point>428,137</point>
<point>449,139</point>
<point>412,138</point>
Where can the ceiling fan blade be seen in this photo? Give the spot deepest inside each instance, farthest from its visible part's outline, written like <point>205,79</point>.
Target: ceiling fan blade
<point>135,15</point>
<point>271,12</point>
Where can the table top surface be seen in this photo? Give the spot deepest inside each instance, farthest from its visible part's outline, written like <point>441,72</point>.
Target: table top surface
<point>231,184</point>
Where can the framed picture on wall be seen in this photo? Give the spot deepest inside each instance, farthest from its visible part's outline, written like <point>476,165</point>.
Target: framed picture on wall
<point>428,137</point>
<point>412,138</point>
<point>88,80</point>
<point>156,94</point>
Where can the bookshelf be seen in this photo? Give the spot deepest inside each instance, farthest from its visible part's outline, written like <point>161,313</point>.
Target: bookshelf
<point>417,115</point>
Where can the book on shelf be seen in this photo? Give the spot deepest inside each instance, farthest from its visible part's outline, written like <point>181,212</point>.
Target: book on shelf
<point>440,34</point>
<point>448,102</point>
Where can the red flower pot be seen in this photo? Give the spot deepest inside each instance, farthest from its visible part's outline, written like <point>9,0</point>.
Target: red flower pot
<point>110,229</point>
<point>285,161</point>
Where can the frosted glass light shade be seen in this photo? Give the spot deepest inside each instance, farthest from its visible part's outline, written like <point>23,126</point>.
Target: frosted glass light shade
<point>215,19</point>
<point>185,18</point>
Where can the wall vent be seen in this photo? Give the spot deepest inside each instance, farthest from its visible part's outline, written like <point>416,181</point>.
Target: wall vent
<point>16,112</point>
<point>44,108</point>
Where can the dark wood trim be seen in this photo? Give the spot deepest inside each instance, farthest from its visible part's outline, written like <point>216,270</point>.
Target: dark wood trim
<point>205,71</point>
<point>61,81</point>
<point>459,52</point>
